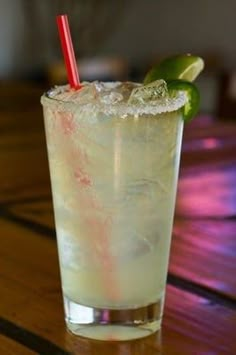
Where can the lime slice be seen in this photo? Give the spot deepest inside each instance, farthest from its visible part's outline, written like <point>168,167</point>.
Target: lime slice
<point>178,71</point>
<point>185,67</point>
<point>191,107</point>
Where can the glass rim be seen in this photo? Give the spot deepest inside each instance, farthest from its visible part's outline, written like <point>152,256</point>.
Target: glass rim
<point>161,106</point>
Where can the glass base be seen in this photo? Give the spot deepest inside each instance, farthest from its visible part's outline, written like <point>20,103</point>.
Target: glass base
<point>113,324</point>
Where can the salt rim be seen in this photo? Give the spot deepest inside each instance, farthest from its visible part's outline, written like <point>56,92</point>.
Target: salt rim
<point>166,104</point>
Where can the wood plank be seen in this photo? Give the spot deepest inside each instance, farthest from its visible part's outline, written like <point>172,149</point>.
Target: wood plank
<point>23,159</point>
<point>10,347</point>
<point>206,158</point>
<point>30,298</point>
<point>204,251</point>
<point>207,193</point>
<point>39,212</point>
<point>22,120</point>
<point>16,186</point>
<point>208,126</point>
<point>30,283</point>
<point>199,320</point>
<point>207,141</point>
<point>28,339</point>
<point>19,96</point>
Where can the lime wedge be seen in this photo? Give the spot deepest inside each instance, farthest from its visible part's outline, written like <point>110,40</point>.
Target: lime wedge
<point>191,107</point>
<point>185,67</point>
<point>178,72</point>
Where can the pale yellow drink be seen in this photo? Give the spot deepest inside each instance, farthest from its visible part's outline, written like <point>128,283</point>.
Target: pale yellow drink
<point>114,166</point>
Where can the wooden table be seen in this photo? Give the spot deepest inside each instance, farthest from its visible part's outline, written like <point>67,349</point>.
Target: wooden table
<point>200,311</point>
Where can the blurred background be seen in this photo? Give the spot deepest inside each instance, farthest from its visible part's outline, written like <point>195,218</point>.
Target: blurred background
<point>121,40</point>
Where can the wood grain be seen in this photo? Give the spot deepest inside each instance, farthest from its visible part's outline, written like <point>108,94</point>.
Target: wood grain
<point>39,212</point>
<point>18,96</point>
<point>205,252</point>
<point>31,299</point>
<point>207,141</point>
<point>23,157</point>
<point>23,166</point>
<point>10,347</point>
<point>207,192</point>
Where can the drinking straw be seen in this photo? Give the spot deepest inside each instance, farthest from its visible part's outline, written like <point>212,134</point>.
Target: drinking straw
<point>73,78</point>
<point>68,51</point>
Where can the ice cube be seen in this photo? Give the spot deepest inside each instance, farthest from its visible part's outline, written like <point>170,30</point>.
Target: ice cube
<point>86,94</point>
<point>106,86</point>
<point>148,93</point>
<point>111,98</point>
<point>126,88</point>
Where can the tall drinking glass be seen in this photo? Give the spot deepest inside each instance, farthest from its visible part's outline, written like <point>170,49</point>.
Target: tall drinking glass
<point>114,165</point>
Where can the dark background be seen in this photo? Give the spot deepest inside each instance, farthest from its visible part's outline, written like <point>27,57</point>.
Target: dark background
<point>137,32</point>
